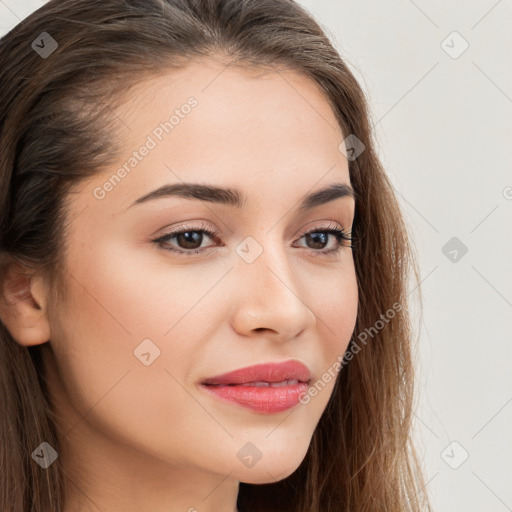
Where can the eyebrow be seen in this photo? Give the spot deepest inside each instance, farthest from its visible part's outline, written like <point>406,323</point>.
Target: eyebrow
<point>233,197</point>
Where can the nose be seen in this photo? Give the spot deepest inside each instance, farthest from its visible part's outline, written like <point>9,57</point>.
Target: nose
<point>270,298</point>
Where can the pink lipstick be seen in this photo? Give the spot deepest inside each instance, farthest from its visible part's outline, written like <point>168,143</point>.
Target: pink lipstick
<point>266,388</point>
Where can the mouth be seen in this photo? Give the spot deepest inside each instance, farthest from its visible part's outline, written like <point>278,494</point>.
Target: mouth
<point>266,374</point>
<point>265,388</point>
<point>262,384</point>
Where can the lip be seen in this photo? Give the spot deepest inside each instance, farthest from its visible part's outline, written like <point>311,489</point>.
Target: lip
<point>262,387</point>
<point>267,372</point>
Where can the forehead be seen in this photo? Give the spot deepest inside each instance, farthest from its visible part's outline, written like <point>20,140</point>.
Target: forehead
<point>255,129</point>
<point>227,91</point>
<point>239,108</point>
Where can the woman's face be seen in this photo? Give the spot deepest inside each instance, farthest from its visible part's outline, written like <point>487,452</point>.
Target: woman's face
<point>144,324</point>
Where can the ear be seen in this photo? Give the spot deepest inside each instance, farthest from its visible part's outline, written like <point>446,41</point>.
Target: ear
<point>23,304</point>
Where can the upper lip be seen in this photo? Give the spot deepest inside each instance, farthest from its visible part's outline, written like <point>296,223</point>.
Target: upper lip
<point>265,372</point>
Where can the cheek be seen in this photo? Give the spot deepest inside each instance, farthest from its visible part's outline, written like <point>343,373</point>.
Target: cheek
<point>337,308</point>
<point>92,343</point>
<point>114,308</point>
<point>334,300</point>
<point>105,385</point>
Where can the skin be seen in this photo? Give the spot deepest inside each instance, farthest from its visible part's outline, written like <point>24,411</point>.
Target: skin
<point>147,438</point>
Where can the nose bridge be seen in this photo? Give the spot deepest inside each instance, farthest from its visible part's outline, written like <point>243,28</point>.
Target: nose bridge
<point>270,292</point>
<point>265,263</point>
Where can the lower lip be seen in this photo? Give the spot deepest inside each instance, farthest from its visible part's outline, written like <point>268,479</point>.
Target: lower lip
<point>262,399</point>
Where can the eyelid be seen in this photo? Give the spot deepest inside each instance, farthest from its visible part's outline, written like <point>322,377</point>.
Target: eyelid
<point>202,226</point>
<point>325,226</point>
<point>190,226</point>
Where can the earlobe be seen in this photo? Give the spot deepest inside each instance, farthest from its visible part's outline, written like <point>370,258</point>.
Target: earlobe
<point>23,305</point>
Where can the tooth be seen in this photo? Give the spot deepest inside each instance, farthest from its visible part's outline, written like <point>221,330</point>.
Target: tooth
<point>263,384</point>
<point>285,383</point>
<point>257,384</point>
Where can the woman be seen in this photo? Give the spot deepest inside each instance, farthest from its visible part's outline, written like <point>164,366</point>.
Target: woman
<point>203,267</point>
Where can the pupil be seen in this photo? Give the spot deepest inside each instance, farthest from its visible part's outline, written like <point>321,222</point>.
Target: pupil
<point>316,236</point>
<point>190,238</point>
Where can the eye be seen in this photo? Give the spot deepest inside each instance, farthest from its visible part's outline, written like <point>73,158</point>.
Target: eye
<point>190,238</point>
<point>319,237</point>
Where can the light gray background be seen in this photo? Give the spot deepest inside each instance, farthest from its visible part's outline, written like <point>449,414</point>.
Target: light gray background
<point>443,127</point>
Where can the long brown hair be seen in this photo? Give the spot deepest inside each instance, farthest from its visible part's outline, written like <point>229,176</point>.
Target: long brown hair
<point>57,110</point>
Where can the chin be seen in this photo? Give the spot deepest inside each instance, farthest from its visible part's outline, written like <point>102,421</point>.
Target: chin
<point>263,477</point>
<point>275,468</point>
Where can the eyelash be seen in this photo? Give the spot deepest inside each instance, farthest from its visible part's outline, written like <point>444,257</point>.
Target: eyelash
<point>331,229</point>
